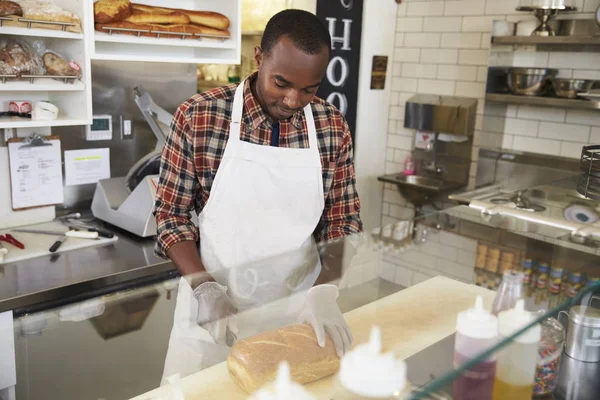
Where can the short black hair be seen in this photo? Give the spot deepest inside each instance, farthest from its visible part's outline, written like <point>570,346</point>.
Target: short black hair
<point>304,29</point>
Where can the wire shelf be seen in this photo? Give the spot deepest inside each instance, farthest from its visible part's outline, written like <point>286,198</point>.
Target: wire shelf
<point>588,183</point>
<point>31,78</point>
<point>180,35</point>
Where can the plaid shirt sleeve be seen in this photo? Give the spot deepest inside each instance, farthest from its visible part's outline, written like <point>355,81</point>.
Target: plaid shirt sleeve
<point>178,188</point>
<point>341,216</point>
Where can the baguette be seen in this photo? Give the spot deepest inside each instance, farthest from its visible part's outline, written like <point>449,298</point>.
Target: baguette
<point>205,18</point>
<point>253,362</point>
<point>193,29</point>
<point>145,17</point>
<point>106,11</point>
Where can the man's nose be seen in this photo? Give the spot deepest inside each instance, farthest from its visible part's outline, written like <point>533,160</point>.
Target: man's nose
<point>292,100</point>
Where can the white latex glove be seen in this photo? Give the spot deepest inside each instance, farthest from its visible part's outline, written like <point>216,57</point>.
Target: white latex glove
<point>216,313</point>
<point>324,315</point>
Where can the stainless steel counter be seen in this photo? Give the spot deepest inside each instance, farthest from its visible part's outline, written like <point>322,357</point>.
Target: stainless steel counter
<point>43,282</point>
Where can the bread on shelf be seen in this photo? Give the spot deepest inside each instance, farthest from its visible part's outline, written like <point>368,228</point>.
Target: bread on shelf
<point>150,17</point>
<point>253,362</point>
<point>106,11</point>
<point>206,18</point>
<point>10,8</point>
<point>194,30</point>
<point>45,11</point>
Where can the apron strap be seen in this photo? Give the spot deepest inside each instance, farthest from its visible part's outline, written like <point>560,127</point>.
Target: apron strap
<point>313,143</point>
<point>236,112</point>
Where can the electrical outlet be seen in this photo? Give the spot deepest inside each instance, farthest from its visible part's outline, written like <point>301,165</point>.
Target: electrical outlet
<point>126,129</point>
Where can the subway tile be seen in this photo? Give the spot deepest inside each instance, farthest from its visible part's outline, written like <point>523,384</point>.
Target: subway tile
<point>595,136</point>
<point>570,149</point>
<point>442,24</point>
<point>395,99</point>
<point>457,72</point>
<point>461,40</point>
<point>397,69</point>
<point>439,56</point>
<point>402,8</point>
<point>491,139</point>
<point>389,155</point>
<point>409,24</point>
<point>422,40</point>
<point>404,97</point>
<point>403,276</point>
<point>402,131</point>
<point>355,276</point>
<point>470,89</point>
<point>584,117</point>
<point>541,113</point>
<point>464,7</point>
<point>439,250</point>
<point>419,277</point>
<point>406,54</point>
<point>455,240</point>
<point>507,142</point>
<point>565,74</point>
<point>431,86</point>
<point>411,70</point>
<point>501,6</point>
<point>388,220</point>
<point>573,60</point>
<point>521,127</point>
<point>571,133</point>
<point>530,59</point>
<point>400,212</point>
<point>511,110</point>
<point>404,84</point>
<point>385,209</point>
<point>486,41</point>
<point>460,271</point>
<point>397,113</point>
<point>399,42</point>
<point>392,168</point>
<point>466,258</point>
<point>400,155</point>
<point>535,145</point>
<point>425,9</point>
<point>393,196</point>
<point>479,23</point>
<point>399,142</point>
<point>586,74</point>
<point>494,124</point>
<point>370,272</point>
<point>415,257</point>
<point>473,57</point>
<point>590,5</point>
<point>387,271</point>
<point>495,109</point>
<point>482,74</point>
<point>392,126</point>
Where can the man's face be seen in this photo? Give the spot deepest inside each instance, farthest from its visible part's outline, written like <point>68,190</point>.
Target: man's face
<point>288,78</point>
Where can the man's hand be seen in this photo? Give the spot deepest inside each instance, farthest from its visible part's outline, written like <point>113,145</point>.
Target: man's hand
<point>216,313</point>
<point>322,312</point>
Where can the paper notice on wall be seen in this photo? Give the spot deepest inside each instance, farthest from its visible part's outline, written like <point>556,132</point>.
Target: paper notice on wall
<point>86,166</point>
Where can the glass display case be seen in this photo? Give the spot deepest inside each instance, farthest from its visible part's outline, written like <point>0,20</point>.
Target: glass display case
<point>411,279</point>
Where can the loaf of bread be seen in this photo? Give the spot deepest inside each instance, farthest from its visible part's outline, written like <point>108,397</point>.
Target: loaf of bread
<point>154,17</point>
<point>175,28</point>
<point>206,18</point>
<point>10,8</point>
<point>45,11</point>
<point>106,11</point>
<point>253,362</point>
<point>57,66</point>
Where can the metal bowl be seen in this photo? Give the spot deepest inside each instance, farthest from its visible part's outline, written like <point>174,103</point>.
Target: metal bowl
<point>530,81</point>
<point>570,88</point>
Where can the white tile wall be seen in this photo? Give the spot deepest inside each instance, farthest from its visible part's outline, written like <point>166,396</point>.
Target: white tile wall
<point>575,133</point>
<point>542,146</point>
<point>439,56</point>
<point>422,40</point>
<point>442,24</point>
<point>464,7</point>
<point>473,57</point>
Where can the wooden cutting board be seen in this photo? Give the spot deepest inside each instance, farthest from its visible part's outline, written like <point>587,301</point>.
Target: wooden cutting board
<point>410,321</point>
<point>37,245</point>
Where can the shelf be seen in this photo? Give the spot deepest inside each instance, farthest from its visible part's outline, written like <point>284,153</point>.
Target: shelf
<point>15,122</point>
<point>42,85</point>
<point>543,101</point>
<point>544,40</point>
<point>47,33</point>
<point>206,42</point>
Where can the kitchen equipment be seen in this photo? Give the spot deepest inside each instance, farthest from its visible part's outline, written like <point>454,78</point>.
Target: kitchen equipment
<point>525,28</point>
<point>588,183</point>
<point>448,114</point>
<point>509,292</point>
<point>69,233</point>
<point>583,333</point>
<point>570,88</point>
<point>530,81</point>
<point>101,232</point>
<point>549,352</point>
<point>578,27</point>
<point>497,80</point>
<point>577,380</point>
<point>593,95</point>
<point>503,28</point>
<point>8,238</point>
<point>544,11</point>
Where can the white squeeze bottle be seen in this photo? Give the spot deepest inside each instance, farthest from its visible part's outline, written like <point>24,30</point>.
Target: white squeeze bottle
<point>476,331</point>
<point>283,388</point>
<point>366,373</point>
<point>517,362</point>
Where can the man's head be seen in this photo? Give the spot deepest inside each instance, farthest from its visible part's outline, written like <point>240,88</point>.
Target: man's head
<point>291,62</point>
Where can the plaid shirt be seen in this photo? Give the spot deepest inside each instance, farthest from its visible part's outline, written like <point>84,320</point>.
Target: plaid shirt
<point>195,147</point>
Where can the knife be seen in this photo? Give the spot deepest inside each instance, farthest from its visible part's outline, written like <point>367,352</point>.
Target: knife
<point>57,244</point>
<point>101,232</point>
<point>69,233</point>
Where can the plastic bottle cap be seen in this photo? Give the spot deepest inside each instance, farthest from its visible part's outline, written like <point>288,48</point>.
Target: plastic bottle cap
<point>367,372</point>
<point>283,388</point>
<point>515,319</point>
<point>477,322</point>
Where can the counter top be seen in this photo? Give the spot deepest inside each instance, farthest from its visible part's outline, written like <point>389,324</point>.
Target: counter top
<point>34,284</point>
<point>410,321</point>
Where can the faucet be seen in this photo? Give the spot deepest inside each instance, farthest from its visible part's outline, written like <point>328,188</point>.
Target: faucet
<point>433,166</point>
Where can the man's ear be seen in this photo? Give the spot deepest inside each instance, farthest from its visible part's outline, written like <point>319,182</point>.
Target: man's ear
<point>258,56</point>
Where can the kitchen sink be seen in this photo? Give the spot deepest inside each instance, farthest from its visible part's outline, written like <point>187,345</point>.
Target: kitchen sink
<point>420,189</point>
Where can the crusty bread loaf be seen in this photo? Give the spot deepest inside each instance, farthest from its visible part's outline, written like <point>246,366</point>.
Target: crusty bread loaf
<point>193,29</point>
<point>206,18</point>
<point>10,8</point>
<point>152,17</point>
<point>253,362</point>
<point>57,66</point>
<point>106,11</point>
<point>45,11</point>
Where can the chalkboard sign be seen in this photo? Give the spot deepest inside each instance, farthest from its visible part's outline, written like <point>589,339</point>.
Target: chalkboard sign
<point>340,85</point>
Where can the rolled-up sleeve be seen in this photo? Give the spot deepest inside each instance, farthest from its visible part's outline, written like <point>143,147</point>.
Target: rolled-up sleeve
<point>177,189</point>
<point>341,216</point>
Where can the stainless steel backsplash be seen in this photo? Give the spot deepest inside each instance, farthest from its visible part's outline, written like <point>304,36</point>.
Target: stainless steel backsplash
<point>112,90</point>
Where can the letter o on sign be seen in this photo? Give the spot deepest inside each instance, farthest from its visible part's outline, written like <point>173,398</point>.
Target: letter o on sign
<point>344,70</point>
<point>342,102</point>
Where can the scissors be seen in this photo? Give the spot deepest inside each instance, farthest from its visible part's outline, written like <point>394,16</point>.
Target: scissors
<point>8,238</point>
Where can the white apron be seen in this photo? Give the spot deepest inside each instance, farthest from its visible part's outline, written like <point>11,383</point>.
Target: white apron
<point>256,238</point>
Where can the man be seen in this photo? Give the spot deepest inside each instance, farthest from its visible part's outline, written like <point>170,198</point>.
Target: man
<point>269,169</point>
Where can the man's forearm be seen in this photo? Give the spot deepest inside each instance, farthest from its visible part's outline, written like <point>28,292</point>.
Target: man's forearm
<point>187,260</point>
